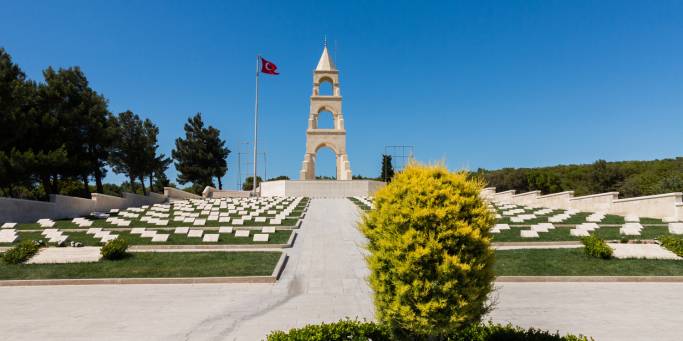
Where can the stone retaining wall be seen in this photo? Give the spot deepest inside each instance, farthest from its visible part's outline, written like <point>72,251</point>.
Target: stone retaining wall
<point>64,207</point>
<point>320,188</point>
<point>669,205</point>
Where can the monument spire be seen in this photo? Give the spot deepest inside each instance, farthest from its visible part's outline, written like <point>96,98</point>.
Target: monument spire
<point>325,63</point>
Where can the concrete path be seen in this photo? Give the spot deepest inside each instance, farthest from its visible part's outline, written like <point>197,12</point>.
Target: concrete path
<point>55,255</point>
<point>605,311</point>
<point>647,251</point>
<point>323,281</point>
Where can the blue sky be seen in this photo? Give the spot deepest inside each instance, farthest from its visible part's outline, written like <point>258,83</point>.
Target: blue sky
<point>478,84</point>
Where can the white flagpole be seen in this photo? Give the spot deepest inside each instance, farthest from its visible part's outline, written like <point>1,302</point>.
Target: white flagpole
<point>253,183</point>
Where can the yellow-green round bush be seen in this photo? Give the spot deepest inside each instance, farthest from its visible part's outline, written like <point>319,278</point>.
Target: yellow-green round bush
<point>430,256</point>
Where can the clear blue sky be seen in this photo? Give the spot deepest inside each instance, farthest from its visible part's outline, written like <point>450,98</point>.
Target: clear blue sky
<point>479,84</point>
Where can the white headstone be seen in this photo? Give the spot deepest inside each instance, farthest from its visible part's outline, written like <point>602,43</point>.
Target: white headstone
<point>181,230</point>
<point>162,237</point>
<point>260,237</point>
<point>195,233</point>
<point>210,238</point>
<point>242,233</point>
<point>225,229</point>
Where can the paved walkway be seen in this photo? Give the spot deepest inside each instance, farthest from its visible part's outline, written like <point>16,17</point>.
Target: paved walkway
<point>323,281</point>
<point>53,255</point>
<point>605,311</point>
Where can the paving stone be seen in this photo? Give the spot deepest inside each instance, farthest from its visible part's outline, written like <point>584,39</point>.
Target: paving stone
<point>641,251</point>
<point>56,255</point>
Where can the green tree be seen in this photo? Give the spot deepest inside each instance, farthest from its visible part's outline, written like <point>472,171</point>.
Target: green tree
<point>201,155</point>
<point>280,177</point>
<point>130,151</point>
<point>430,257</point>
<point>217,153</point>
<point>387,168</point>
<point>248,184</point>
<point>17,105</point>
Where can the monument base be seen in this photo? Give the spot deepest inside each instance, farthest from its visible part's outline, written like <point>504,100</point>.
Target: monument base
<point>320,188</point>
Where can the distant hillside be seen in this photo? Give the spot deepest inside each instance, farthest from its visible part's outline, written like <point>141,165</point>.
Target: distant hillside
<point>630,178</point>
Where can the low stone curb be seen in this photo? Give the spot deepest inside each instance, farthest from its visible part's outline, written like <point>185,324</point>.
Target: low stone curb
<point>115,281</point>
<point>277,271</point>
<point>590,279</point>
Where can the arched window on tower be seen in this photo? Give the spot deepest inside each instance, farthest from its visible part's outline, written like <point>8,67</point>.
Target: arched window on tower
<point>325,120</point>
<point>326,88</point>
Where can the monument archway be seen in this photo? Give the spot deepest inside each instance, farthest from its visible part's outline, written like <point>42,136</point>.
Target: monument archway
<point>334,137</point>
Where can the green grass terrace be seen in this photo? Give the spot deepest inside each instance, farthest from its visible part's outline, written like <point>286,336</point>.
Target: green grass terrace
<point>152,265</point>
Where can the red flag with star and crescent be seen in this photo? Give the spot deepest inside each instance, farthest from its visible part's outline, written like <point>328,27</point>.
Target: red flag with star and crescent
<point>268,67</point>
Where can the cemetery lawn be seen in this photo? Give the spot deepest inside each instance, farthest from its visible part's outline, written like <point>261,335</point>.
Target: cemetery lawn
<point>279,237</point>
<point>562,234</point>
<point>574,262</point>
<point>152,265</point>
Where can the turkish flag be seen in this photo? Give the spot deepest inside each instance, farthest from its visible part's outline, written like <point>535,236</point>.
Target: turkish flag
<point>268,67</point>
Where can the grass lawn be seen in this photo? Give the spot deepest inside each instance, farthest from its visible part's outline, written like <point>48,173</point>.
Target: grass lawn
<point>279,237</point>
<point>574,262</point>
<point>150,264</point>
<point>562,234</point>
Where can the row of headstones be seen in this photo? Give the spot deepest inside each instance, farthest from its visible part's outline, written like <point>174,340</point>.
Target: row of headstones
<point>277,220</point>
<point>163,237</point>
<point>223,217</point>
<point>367,201</point>
<point>584,229</point>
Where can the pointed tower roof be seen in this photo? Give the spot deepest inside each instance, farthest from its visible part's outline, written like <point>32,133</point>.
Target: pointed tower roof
<point>325,63</point>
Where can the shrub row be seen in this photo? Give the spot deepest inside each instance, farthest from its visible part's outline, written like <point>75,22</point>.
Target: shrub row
<point>596,247</point>
<point>21,253</point>
<point>363,330</point>
<point>673,244</point>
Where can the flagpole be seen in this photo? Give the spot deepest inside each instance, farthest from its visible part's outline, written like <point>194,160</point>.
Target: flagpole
<point>253,183</point>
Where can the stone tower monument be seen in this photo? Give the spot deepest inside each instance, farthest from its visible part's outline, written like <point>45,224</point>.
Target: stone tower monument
<point>334,138</point>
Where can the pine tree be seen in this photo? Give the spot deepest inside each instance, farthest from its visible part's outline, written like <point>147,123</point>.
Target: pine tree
<point>387,168</point>
<point>201,155</point>
<point>129,153</point>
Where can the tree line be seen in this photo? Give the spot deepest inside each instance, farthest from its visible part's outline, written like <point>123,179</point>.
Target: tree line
<point>629,178</point>
<point>59,135</point>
